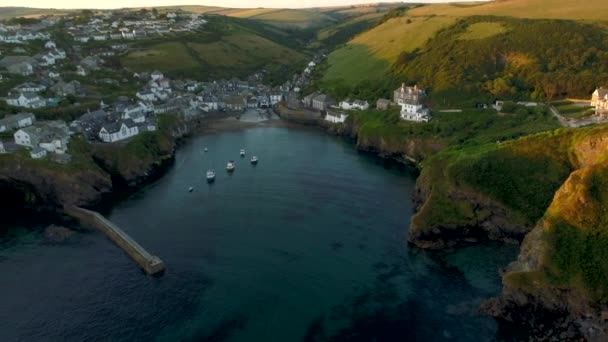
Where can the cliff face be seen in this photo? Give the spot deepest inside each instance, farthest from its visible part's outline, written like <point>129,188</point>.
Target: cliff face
<point>43,186</point>
<point>137,161</point>
<point>561,271</point>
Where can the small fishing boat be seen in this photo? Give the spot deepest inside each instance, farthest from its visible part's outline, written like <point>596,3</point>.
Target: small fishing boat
<point>210,176</point>
<point>205,149</point>
<point>190,189</point>
<point>230,166</point>
<point>254,160</point>
<point>242,153</point>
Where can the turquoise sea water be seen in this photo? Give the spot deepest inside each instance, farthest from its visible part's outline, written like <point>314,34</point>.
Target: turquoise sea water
<point>309,245</point>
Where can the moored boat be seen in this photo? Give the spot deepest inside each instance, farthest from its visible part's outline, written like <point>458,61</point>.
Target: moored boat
<point>210,176</point>
<point>190,189</point>
<point>230,166</point>
<point>205,149</point>
<point>254,160</point>
<point>242,153</point>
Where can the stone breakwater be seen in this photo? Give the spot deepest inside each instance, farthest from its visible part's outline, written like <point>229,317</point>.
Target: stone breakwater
<point>151,264</point>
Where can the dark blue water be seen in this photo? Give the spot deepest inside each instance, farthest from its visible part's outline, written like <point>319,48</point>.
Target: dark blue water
<point>309,245</point>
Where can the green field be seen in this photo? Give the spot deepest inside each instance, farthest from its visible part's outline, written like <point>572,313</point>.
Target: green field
<point>370,54</point>
<point>242,49</point>
<point>234,53</point>
<point>167,57</point>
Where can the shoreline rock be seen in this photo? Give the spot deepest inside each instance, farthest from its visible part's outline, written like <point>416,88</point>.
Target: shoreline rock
<point>57,234</point>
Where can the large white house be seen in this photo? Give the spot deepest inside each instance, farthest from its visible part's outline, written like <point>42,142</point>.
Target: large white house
<point>410,100</point>
<point>415,112</point>
<point>26,99</point>
<point>118,131</point>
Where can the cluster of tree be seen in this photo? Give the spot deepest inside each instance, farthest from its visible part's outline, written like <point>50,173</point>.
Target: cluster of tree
<point>538,59</point>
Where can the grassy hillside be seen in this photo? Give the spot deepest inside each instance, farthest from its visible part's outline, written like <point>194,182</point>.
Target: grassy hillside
<point>453,47</point>
<point>228,47</point>
<point>511,58</point>
<point>370,54</point>
<point>520,176</point>
<point>536,9</point>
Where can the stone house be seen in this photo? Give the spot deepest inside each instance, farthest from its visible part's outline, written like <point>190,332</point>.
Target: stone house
<point>383,104</point>
<point>235,103</point>
<point>410,95</point>
<point>62,88</point>
<point>16,121</point>
<point>23,69</point>
<point>52,136</point>
<point>322,102</point>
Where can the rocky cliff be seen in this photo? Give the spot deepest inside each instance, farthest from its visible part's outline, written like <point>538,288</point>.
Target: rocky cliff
<point>560,277</point>
<point>40,185</point>
<point>549,190</point>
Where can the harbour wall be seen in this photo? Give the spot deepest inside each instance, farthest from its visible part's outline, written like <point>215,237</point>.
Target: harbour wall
<point>151,264</point>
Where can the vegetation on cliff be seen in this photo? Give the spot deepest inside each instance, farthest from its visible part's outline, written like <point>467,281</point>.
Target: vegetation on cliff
<point>450,129</point>
<point>571,246</point>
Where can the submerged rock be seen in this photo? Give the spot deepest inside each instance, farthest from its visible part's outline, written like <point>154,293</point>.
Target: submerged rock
<point>57,234</point>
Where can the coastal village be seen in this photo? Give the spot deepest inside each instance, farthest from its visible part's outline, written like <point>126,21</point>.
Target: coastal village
<point>60,75</point>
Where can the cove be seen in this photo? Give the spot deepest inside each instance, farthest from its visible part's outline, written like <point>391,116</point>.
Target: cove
<point>309,245</point>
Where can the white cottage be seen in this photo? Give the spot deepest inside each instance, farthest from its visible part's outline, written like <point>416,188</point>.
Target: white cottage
<point>336,117</point>
<point>118,131</point>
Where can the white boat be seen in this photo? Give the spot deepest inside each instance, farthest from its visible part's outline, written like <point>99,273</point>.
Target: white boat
<point>210,176</point>
<point>254,160</point>
<point>230,166</point>
<point>242,153</point>
<point>205,149</point>
<point>190,189</point>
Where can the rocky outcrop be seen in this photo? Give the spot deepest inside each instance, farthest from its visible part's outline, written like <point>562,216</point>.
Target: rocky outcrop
<point>558,281</point>
<point>26,184</point>
<point>486,219</point>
